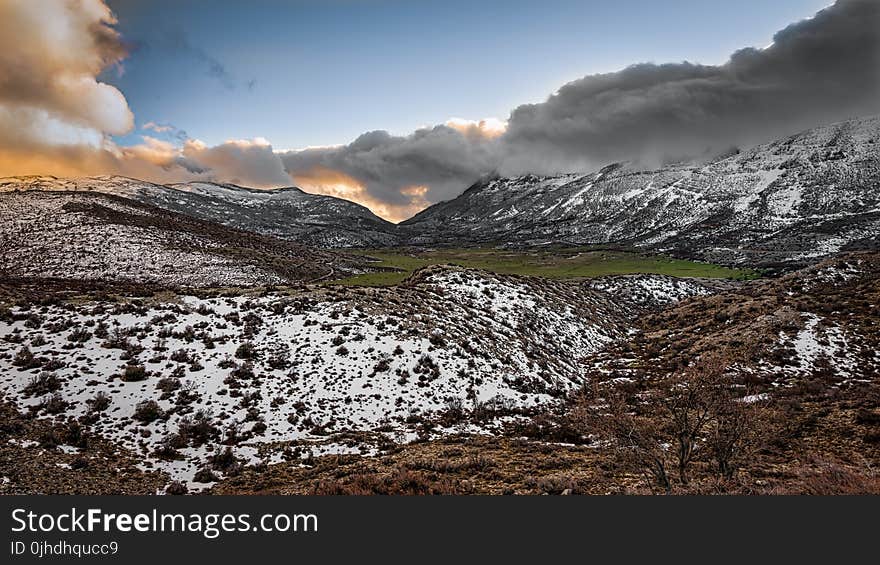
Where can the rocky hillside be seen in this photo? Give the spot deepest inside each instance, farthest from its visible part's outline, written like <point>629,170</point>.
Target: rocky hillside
<point>93,236</point>
<point>287,213</point>
<point>293,375</point>
<point>785,203</point>
<point>816,325</point>
<point>296,390</point>
<point>782,373</point>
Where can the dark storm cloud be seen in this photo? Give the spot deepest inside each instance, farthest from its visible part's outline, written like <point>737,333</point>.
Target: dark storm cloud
<point>389,168</point>
<point>818,70</point>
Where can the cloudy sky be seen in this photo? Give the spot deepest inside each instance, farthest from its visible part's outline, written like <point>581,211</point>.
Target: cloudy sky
<point>397,104</point>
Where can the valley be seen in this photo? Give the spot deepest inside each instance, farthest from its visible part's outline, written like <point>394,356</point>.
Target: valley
<point>533,335</point>
<point>553,263</point>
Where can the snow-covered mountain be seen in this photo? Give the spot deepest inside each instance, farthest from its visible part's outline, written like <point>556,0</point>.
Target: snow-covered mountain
<point>93,236</point>
<point>784,203</point>
<point>287,213</point>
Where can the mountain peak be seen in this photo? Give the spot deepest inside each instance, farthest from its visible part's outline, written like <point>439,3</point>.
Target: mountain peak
<point>787,202</point>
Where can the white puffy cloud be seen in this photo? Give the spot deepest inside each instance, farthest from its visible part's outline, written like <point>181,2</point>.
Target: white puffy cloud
<point>56,117</point>
<point>50,54</point>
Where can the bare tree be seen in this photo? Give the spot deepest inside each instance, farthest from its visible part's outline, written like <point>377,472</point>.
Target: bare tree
<point>691,402</point>
<point>638,441</point>
<point>740,428</point>
<point>630,428</point>
<point>680,418</point>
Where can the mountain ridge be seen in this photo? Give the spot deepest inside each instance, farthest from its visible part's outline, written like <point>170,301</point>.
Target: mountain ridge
<point>96,236</point>
<point>777,205</point>
<point>783,203</point>
<point>287,212</point>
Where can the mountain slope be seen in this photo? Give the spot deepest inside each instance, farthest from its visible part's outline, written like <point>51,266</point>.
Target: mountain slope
<point>280,375</point>
<point>287,213</point>
<point>782,204</point>
<point>96,236</point>
<point>819,322</point>
<point>785,203</point>
<point>799,353</point>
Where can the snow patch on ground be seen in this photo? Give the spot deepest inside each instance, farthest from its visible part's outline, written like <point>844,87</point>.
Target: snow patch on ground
<point>649,290</point>
<point>311,367</point>
<point>818,340</point>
